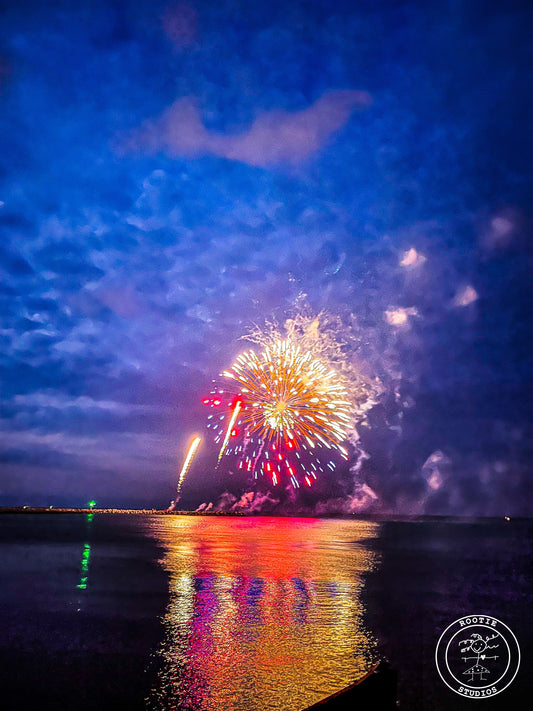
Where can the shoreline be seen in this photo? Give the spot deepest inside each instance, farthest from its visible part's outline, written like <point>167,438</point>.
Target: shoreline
<point>85,510</point>
<point>377,518</point>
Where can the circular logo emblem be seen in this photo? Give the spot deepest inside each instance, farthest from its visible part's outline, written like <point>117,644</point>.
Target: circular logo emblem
<point>477,656</point>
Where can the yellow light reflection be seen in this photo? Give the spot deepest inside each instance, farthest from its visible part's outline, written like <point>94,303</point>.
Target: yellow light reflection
<point>264,613</point>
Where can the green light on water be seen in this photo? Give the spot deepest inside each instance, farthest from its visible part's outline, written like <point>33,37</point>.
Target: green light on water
<point>84,566</point>
<point>86,553</point>
<point>85,558</point>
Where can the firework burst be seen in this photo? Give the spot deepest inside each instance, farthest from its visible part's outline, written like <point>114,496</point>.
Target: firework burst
<point>291,397</point>
<point>281,409</point>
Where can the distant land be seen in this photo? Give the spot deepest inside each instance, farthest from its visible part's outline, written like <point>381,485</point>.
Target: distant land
<point>163,512</point>
<point>151,512</point>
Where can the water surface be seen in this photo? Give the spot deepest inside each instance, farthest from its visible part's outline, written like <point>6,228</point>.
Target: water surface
<point>244,614</point>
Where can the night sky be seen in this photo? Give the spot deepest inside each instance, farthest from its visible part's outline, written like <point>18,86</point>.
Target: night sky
<point>171,174</point>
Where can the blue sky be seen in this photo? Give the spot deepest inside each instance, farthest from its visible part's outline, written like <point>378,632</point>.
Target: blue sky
<point>171,173</point>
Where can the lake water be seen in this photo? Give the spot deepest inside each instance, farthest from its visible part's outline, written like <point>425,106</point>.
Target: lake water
<point>221,613</point>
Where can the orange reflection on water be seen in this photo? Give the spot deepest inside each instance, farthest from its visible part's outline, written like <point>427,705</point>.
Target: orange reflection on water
<point>264,613</point>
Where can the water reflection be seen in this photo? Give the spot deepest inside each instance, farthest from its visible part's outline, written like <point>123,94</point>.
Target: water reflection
<point>85,556</point>
<point>264,613</point>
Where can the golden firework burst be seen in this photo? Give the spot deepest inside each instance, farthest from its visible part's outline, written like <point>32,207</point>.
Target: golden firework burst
<point>291,396</point>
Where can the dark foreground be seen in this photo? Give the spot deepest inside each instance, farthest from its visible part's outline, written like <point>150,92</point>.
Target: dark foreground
<point>377,690</point>
<point>61,648</point>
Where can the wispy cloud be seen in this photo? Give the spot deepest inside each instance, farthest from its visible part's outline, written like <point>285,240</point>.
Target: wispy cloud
<point>62,401</point>
<point>274,138</point>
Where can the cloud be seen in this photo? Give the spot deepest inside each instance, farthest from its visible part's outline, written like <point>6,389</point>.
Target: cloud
<point>274,138</point>
<point>502,228</point>
<point>412,258</point>
<point>435,469</point>
<point>225,502</point>
<point>121,299</point>
<point>465,295</point>
<point>400,315</point>
<point>255,502</point>
<point>204,507</point>
<point>363,499</point>
<point>61,401</point>
<point>250,502</point>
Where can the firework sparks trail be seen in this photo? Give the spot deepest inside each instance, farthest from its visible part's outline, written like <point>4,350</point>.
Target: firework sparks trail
<point>229,430</point>
<point>188,459</point>
<point>258,456</point>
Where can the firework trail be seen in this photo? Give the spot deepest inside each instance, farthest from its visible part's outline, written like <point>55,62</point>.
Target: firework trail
<point>187,463</point>
<point>231,425</point>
